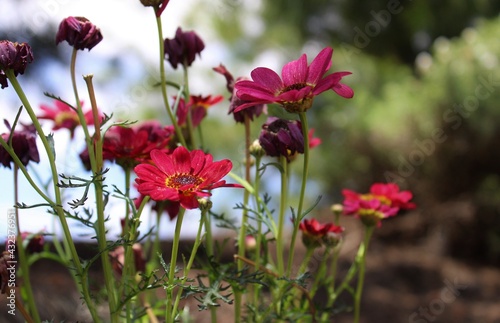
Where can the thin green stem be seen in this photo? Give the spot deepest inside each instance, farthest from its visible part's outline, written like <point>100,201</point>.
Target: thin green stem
<point>189,112</point>
<point>170,315</point>
<point>281,217</point>
<point>307,259</point>
<point>321,272</point>
<point>26,285</point>
<point>129,233</point>
<point>196,244</point>
<point>96,147</point>
<point>305,170</point>
<point>361,273</point>
<point>68,239</point>
<point>244,220</point>
<point>163,83</point>
<point>209,245</point>
<point>258,247</point>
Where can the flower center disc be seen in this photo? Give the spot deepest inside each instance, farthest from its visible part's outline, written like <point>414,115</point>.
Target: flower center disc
<point>180,180</point>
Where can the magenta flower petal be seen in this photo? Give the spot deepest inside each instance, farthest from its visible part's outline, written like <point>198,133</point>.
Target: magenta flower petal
<point>267,79</point>
<point>320,65</point>
<point>343,90</point>
<point>295,72</point>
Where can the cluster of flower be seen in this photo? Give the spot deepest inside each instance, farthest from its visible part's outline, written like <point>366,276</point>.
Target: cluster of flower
<point>171,171</point>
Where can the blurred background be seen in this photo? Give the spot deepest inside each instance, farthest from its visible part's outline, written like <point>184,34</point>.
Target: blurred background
<point>426,115</point>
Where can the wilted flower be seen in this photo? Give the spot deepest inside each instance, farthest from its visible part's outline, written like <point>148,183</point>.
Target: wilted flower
<point>315,234</point>
<point>15,57</point>
<point>181,176</point>
<point>79,32</point>
<point>235,101</point>
<point>65,116</point>
<point>183,48</point>
<point>24,145</point>
<point>198,106</point>
<point>296,88</point>
<point>281,137</point>
<point>383,201</point>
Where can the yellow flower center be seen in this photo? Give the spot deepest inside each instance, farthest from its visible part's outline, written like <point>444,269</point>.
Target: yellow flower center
<point>179,180</point>
<point>63,116</point>
<point>384,200</point>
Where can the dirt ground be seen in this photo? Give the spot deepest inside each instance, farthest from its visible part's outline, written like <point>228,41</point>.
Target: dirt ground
<point>410,277</point>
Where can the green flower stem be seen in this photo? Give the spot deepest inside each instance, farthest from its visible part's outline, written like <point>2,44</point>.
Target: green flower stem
<point>361,273</point>
<point>95,146</point>
<point>189,116</point>
<point>321,273</point>
<point>20,166</point>
<point>281,217</point>
<point>129,234</point>
<point>57,206</point>
<point>307,259</point>
<point>163,83</point>
<point>305,133</point>
<point>79,111</point>
<point>258,239</point>
<point>209,244</point>
<point>244,220</point>
<point>23,170</point>
<point>26,285</point>
<point>196,244</point>
<point>360,255</point>
<point>170,315</point>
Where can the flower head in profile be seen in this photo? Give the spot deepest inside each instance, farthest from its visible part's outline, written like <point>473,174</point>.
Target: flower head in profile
<point>315,234</point>
<point>251,112</point>
<point>183,48</point>
<point>79,32</point>
<point>197,106</point>
<point>181,176</point>
<point>383,201</point>
<point>15,57</point>
<point>297,86</point>
<point>23,143</point>
<point>65,116</point>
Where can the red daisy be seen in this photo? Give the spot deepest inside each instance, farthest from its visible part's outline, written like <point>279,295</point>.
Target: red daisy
<point>383,201</point>
<point>65,116</point>
<point>296,88</point>
<point>314,234</point>
<point>181,176</point>
<point>198,105</point>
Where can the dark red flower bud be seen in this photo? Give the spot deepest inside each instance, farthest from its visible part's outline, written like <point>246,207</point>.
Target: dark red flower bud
<point>79,32</point>
<point>24,145</point>
<point>281,137</point>
<point>159,5</point>
<point>15,57</point>
<point>34,243</point>
<point>235,101</point>
<point>183,48</point>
